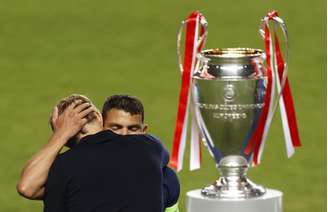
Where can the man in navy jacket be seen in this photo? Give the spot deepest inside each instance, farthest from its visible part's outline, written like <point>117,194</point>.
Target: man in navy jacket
<point>73,118</point>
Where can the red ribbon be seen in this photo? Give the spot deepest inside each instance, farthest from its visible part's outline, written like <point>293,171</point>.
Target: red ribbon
<point>256,138</point>
<point>192,22</point>
<point>267,99</point>
<point>287,96</point>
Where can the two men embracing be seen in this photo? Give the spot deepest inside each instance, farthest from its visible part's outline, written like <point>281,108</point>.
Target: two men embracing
<point>112,164</point>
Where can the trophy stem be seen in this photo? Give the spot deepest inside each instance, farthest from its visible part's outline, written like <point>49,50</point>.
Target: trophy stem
<point>233,183</point>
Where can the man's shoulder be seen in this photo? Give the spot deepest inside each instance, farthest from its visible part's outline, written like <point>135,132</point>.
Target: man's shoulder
<point>155,143</point>
<point>145,140</point>
<point>154,139</point>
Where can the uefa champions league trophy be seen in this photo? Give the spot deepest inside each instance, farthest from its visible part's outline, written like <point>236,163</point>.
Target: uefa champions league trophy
<point>228,90</point>
<point>231,98</point>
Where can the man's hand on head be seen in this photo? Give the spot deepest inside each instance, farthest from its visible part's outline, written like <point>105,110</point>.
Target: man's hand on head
<point>72,120</point>
<point>95,123</point>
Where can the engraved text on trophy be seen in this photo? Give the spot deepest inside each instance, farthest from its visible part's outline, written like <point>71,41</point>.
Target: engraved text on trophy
<point>229,108</point>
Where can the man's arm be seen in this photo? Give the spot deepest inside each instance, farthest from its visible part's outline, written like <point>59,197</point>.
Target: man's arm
<point>35,172</point>
<point>171,189</point>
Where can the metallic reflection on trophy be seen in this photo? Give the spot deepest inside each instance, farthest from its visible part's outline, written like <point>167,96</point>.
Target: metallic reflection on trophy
<point>228,92</point>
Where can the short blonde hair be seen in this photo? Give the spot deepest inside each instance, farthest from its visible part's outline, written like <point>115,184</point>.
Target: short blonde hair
<point>67,101</point>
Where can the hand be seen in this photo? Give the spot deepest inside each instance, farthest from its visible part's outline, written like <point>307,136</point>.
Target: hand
<point>72,120</point>
<point>95,124</point>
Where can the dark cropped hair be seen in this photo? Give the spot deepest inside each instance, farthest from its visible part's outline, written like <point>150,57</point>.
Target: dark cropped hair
<point>129,104</point>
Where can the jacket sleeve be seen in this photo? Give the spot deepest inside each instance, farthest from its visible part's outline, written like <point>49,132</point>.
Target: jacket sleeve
<point>171,187</point>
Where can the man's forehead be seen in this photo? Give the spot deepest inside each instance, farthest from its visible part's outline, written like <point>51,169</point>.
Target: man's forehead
<point>116,115</point>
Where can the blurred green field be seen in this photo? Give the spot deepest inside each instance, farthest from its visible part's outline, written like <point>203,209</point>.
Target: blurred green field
<point>50,49</point>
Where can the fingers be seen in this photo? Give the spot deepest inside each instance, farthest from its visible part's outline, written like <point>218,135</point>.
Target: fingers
<point>74,104</point>
<point>82,107</point>
<point>76,108</point>
<point>86,112</point>
<point>79,110</point>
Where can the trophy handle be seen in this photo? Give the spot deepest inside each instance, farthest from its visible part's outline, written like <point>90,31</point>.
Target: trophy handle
<point>278,22</point>
<point>277,73</point>
<point>200,41</point>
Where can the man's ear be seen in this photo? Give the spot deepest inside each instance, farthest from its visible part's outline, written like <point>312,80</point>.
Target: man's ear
<point>145,128</point>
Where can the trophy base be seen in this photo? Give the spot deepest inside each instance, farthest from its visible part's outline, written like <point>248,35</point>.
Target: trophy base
<point>239,188</point>
<point>271,201</point>
<point>233,183</point>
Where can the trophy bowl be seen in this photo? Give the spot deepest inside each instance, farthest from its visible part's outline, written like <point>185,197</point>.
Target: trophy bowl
<point>228,89</point>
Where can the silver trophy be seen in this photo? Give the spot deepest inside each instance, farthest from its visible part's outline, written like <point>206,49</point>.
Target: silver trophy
<point>228,89</point>
<point>233,99</point>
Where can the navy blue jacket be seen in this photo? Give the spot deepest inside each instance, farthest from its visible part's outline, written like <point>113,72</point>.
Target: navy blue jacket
<point>109,172</point>
<point>171,185</point>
